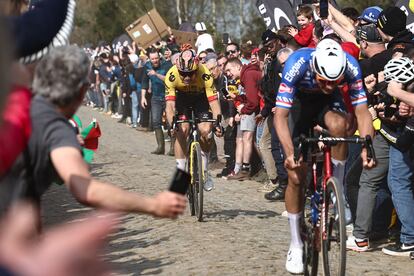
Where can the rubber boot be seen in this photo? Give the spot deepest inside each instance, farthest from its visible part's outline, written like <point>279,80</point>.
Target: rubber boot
<point>159,135</point>
<point>171,152</point>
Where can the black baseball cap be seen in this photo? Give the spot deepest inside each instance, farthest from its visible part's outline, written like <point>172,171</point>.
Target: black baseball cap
<point>269,35</point>
<point>392,21</point>
<point>368,33</point>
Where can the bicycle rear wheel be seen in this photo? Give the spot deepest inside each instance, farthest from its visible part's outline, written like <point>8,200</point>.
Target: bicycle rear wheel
<point>334,236</point>
<point>197,179</point>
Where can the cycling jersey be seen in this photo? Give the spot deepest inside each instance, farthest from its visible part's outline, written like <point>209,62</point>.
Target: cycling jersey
<point>203,83</point>
<point>299,76</point>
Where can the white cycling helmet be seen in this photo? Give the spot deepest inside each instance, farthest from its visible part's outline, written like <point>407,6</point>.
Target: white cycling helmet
<point>329,60</point>
<point>200,27</point>
<point>400,70</point>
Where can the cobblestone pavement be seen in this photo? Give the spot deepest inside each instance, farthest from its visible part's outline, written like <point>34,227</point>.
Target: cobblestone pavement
<point>242,234</point>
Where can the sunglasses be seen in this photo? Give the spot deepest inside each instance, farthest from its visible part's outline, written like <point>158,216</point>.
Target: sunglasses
<point>230,52</point>
<point>325,82</point>
<point>187,74</point>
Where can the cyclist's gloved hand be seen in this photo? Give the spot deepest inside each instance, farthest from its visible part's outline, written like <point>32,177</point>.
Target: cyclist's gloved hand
<point>368,164</point>
<point>218,128</point>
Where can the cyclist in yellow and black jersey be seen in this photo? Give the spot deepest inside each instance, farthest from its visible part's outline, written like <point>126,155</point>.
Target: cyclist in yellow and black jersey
<point>190,84</point>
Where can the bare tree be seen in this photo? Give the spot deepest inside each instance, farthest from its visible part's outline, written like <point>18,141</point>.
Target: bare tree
<point>178,12</point>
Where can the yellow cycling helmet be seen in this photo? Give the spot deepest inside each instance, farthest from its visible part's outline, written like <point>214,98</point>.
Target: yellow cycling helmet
<point>187,61</point>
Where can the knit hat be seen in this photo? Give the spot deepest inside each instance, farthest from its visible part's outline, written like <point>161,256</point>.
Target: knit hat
<point>392,21</point>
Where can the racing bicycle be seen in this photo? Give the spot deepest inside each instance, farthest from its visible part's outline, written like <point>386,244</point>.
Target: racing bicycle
<point>323,223</point>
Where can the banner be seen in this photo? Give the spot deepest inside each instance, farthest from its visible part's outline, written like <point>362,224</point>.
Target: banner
<point>408,7</point>
<point>277,14</point>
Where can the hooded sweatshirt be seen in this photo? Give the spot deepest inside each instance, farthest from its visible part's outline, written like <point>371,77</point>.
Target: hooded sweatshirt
<point>250,78</point>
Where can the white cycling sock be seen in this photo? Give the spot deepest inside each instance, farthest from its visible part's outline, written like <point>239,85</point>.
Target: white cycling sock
<point>205,156</point>
<point>180,163</point>
<point>294,223</point>
<point>237,168</point>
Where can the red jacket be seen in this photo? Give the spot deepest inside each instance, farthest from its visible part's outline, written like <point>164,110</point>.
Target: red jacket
<point>305,36</point>
<point>250,78</point>
<point>16,127</point>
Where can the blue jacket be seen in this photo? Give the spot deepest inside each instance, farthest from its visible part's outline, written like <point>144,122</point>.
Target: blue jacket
<point>157,85</point>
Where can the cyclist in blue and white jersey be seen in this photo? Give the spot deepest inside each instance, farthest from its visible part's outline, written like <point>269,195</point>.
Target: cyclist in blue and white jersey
<point>310,82</point>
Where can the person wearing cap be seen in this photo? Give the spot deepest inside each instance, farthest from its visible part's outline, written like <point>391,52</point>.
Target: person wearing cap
<point>204,40</point>
<point>370,15</point>
<point>391,25</point>
<point>372,49</point>
<point>272,43</point>
<point>368,183</point>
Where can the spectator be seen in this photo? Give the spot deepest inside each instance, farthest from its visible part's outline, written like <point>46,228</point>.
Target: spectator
<point>272,43</point>
<point>304,37</point>
<point>232,50</point>
<point>204,40</point>
<point>250,76</point>
<point>54,152</point>
<point>155,71</point>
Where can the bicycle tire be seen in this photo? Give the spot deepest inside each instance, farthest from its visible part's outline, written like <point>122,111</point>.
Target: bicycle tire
<point>310,237</point>
<point>334,217</point>
<point>190,199</point>
<point>197,179</point>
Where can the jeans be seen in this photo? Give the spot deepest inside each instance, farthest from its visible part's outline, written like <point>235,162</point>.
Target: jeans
<point>402,191</point>
<point>157,109</point>
<point>370,182</point>
<point>259,132</point>
<point>135,105</point>
<point>105,95</point>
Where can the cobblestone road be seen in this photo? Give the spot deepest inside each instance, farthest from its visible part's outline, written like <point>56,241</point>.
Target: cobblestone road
<point>242,234</point>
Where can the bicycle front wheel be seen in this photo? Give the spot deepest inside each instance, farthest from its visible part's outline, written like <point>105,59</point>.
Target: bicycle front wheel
<point>197,179</point>
<point>333,235</point>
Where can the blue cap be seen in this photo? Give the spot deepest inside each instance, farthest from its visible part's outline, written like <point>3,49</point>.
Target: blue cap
<point>371,14</point>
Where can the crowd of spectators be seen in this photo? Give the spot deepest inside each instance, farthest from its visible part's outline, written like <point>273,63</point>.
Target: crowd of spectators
<point>127,83</point>
<point>247,77</point>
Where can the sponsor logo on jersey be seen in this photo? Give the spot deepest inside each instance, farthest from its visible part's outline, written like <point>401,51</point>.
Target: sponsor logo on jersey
<point>172,77</point>
<point>283,88</point>
<point>294,70</point>
<point>206,77</point>
<point>354,69</point>
<point>357,85</point>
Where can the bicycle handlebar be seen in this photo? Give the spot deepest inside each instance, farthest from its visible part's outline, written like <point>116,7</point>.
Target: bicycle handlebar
<point>332,141</point>
<point>217,122</point>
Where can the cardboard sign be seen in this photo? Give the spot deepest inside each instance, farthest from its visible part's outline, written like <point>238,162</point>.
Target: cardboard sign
<point>147,29</point>
<point>185,37</point>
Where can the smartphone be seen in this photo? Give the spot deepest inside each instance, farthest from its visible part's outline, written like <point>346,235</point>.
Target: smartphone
<point>225,38</point>
<point>180,182</point>
<point>323,9</point>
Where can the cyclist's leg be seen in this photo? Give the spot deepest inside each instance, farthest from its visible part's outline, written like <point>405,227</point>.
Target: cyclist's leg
<point>180,146</point>
<point>336,124</point>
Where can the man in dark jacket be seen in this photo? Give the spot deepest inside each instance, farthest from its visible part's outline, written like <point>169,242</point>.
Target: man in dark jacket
<point>270,84</point>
